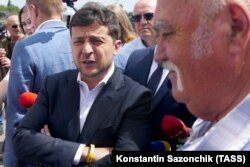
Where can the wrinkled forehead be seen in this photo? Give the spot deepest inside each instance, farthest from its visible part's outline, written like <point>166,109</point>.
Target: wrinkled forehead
<point>94,29</point>
<point>171,12</point>
<point>178,6</point>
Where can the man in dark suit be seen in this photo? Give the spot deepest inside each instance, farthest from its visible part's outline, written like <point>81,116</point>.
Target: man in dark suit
<point>140,67</point>
<point>96,106</point>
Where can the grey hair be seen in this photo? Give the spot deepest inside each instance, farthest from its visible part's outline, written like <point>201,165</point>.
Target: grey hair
<point>212,7</point>
<point>202,36</point>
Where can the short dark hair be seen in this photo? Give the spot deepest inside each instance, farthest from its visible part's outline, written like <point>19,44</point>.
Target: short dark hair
<point>96,13</point>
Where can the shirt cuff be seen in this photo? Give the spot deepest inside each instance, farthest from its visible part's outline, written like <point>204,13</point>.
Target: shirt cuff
<point>78,154</point>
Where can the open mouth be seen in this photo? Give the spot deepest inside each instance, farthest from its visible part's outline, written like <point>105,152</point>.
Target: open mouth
<point>88,61</point>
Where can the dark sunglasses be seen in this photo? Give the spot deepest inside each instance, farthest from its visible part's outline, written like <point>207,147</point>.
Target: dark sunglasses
<point>147,16</point>
<point>14,26</point>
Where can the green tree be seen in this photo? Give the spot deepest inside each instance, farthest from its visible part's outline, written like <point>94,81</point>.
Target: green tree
<point>12,9</point>
<point>3,8</point>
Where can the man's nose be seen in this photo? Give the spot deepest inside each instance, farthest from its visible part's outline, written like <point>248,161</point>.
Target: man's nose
<point>87,48</point>
<point>160,55</point>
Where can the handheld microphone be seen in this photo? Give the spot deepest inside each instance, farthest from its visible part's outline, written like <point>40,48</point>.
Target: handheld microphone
<point>27,99</point>
<point>160,145</point>
<point>174,127</point>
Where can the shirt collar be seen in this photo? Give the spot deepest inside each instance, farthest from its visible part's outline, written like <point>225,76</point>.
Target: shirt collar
<point>42,24</point>
<point>104,80</point>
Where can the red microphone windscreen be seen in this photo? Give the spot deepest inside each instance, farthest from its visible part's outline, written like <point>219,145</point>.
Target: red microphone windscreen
<point>27,99</point>
<point>173,126</point>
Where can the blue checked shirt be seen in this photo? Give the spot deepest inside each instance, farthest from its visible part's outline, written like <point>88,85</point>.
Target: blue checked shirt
<point>232,132</point>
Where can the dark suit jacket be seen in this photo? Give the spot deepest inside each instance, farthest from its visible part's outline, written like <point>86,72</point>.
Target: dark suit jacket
<point>119,118</point>
<point>138,68</point>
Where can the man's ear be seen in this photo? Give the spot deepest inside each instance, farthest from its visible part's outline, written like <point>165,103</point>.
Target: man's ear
<point>118,44</point>
<point>240,27</point>
<point>34,9</point>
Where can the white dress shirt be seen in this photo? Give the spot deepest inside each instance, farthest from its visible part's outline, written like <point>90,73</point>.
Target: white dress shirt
<point>87,98</point>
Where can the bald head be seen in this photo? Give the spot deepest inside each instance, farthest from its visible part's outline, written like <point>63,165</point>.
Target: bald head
<point>12,19</point>
<point>144,12</point>
<point>14,28</point>
<point>142,4</point>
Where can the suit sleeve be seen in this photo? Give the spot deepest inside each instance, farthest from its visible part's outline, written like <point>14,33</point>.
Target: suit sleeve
<point>135,129</point>
<point>42,149</point>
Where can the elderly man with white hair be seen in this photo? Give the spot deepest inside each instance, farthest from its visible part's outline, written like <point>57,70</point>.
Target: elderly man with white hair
<point>206,47</point>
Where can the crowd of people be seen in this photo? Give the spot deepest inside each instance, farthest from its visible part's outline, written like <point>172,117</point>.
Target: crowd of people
<point>107,81</point>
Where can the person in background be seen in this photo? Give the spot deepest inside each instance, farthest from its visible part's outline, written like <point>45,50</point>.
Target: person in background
<point>6,47</point>
<point>7,44</point>
<point>15,34</point>
<point>127,32</point>
<point>33,59</point>
<point>142,68</point>
<point>25,22</point>
<point>143,15</point>
<point>89,111</point>
<point>206,46</point>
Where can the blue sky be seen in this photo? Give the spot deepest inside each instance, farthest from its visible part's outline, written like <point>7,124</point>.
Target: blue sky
<point>127,4</point>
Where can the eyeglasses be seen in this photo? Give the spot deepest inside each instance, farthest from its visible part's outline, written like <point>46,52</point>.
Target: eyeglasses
<point>147,16</point>
<point>14,26</point>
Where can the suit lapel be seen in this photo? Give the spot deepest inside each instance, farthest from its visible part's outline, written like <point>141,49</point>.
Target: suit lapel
<point>163,90</point>
<point>102,106</point>
<point>143,68</point>
<point>71,117</point>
